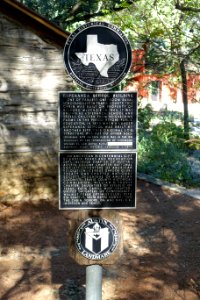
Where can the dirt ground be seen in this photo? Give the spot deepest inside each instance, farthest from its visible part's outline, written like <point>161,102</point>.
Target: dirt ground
<point>161,259</point>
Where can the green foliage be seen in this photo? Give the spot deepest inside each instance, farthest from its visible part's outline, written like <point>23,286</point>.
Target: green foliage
<point>170,34</point>
<point>72,13</point>
<point>168,133</point>
<point>164,161</point>
<point>171,116</point>
<point>162,151</point>
<point>145,116</point>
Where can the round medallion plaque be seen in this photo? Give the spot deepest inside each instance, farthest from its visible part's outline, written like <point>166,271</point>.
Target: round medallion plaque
<point>96,238</point>
<point>97,55</point>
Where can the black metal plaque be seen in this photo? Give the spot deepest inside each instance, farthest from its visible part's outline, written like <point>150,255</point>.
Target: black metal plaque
<point>97,55</point>
<point>97,180</point>
<point>101,120</point>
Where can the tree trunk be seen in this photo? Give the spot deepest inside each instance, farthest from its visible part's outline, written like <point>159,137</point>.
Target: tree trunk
<point>185,99</point>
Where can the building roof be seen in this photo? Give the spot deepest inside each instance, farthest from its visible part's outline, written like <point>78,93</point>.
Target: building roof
<point>26,17</point>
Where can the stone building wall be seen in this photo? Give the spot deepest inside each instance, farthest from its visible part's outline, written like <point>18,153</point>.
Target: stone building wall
<point>31,75</point>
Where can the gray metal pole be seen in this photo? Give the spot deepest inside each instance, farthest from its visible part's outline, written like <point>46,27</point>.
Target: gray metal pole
<point>94,282</point>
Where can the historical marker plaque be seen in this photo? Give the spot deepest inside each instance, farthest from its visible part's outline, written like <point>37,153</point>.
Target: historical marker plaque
<point>96,121</point>
<point>97,180</point>
<point>96,238</point>
<point>97,55</point>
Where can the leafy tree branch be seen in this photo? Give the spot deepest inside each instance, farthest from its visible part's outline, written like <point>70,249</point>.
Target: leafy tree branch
<point>186,8</point>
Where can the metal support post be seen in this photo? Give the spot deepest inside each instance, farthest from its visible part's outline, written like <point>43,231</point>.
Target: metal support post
<point>94,282</point>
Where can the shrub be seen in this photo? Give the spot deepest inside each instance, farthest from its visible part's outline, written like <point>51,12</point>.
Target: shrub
<point>145,116</point>
<point>162,153</point>
<point>168,132</point>
<point>164,161</point>
<point>171,116</point>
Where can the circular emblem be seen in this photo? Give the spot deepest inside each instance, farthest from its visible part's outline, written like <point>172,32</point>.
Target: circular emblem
<point>97,55</point>
<point>96,238</point>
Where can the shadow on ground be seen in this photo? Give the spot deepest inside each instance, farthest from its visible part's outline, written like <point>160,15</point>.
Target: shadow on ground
<point>161,251</point>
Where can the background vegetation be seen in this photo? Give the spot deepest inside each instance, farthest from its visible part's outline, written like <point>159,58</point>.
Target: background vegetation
<point>162,148</point>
